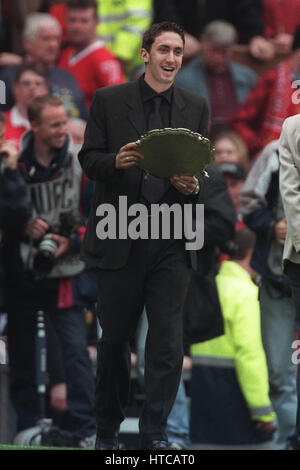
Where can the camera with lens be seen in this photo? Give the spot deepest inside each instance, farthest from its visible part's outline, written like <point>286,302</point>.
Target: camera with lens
<point>45,260</point>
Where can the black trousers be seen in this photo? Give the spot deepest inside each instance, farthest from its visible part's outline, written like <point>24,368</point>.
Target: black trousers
<point>156,276</point>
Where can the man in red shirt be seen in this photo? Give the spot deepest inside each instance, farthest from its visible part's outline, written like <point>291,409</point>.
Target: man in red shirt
<point>274,98</point>
<point>87,58</point>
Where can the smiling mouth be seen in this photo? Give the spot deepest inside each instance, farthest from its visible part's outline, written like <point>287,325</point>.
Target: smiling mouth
<point>168,69</point>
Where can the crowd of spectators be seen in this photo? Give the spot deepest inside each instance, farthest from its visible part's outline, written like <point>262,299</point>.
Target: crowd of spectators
<point>54,56</point>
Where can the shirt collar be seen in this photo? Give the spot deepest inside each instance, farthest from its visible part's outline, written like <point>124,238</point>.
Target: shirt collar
<point>17,120</point>
<point>148,93</point>
<point>60,159</point>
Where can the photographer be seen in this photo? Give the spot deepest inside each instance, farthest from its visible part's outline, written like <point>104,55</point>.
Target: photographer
<point>46,268</point>
<point>14,205</point>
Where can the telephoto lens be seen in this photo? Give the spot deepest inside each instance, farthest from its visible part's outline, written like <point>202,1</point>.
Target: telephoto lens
<point>44,260</point>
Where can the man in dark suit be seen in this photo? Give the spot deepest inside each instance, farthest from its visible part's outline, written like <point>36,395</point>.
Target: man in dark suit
<point>134,273</point>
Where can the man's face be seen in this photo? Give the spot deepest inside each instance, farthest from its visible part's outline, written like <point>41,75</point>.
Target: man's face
<point>226,151</point>
<point>164,60</point>
<point>77,132</point>
<point>51,129</point>
<point>81,26</point>
<point>215,57</point>
<point>234,187</point>
<point>44,48</point>
<point>30,85</point>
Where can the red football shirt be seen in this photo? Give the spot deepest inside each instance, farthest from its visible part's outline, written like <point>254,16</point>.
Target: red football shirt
<point>15,128</point>
<point>94,67</point>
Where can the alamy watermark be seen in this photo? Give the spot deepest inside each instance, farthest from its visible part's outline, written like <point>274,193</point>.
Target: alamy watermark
<point>296,93</point>
<point>295,355</point>
<point>159,221</point>
<point>2,92</point>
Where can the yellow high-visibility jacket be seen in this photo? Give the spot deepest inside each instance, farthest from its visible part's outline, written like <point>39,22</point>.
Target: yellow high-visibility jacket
<point>235,360</point>
<point>122,25</point>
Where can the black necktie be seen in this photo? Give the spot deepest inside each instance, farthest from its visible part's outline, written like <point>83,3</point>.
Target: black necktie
<point>155,120</point>
<point>154,188</point>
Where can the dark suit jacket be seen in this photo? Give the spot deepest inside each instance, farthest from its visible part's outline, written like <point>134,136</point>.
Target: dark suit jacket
<point>117,118</point>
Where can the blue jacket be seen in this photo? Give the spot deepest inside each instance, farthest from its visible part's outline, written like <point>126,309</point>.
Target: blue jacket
<point>192,78</point>
<point>14,211</point>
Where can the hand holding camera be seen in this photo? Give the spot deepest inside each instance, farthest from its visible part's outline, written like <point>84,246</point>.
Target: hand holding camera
<point>51,242</point>
<point>9,155</point>
<point>38,228</point>
<point>63,244</point>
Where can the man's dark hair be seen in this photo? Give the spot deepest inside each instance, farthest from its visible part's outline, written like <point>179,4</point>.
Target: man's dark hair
<point>82,5</point>
<point>158,28</point>
<point>29,67</point>
<point>244,240</point>
<point>2,118</point>
<point>37,105</point>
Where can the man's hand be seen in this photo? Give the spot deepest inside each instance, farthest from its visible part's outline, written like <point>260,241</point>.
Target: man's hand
<point>192,46</point>
<point>128,156</point>
<point>187,363</point>
<point>185,184</point>
<point>280,230</point>
<point>9,155</point>
<point>267,428</point>
<point>58,397</point>
<point>261,48</point>
<point>36,228</point>
<point>7,59</point>
<point>63,244</point>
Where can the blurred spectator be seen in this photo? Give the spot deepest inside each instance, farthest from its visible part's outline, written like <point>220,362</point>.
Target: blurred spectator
<point>15,13</point>
<point>76,127</point>
<point>235,176</point>
<point>29,82</point>
<point>223,83</point>
<point>263,213</point>
<point>41,38</point>
<point>87,58</point>
<point>121,26</point>
<point>230,148</point>
<point>260,118</point>
<point>192,16</point>
<point>14,204</point>
<point>281,19</point>
<point>230,405</point>
<point>49,283</point>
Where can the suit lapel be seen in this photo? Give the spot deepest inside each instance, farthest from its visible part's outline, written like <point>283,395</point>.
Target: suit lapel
<point>135,109</point>
<point>178,112</point>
